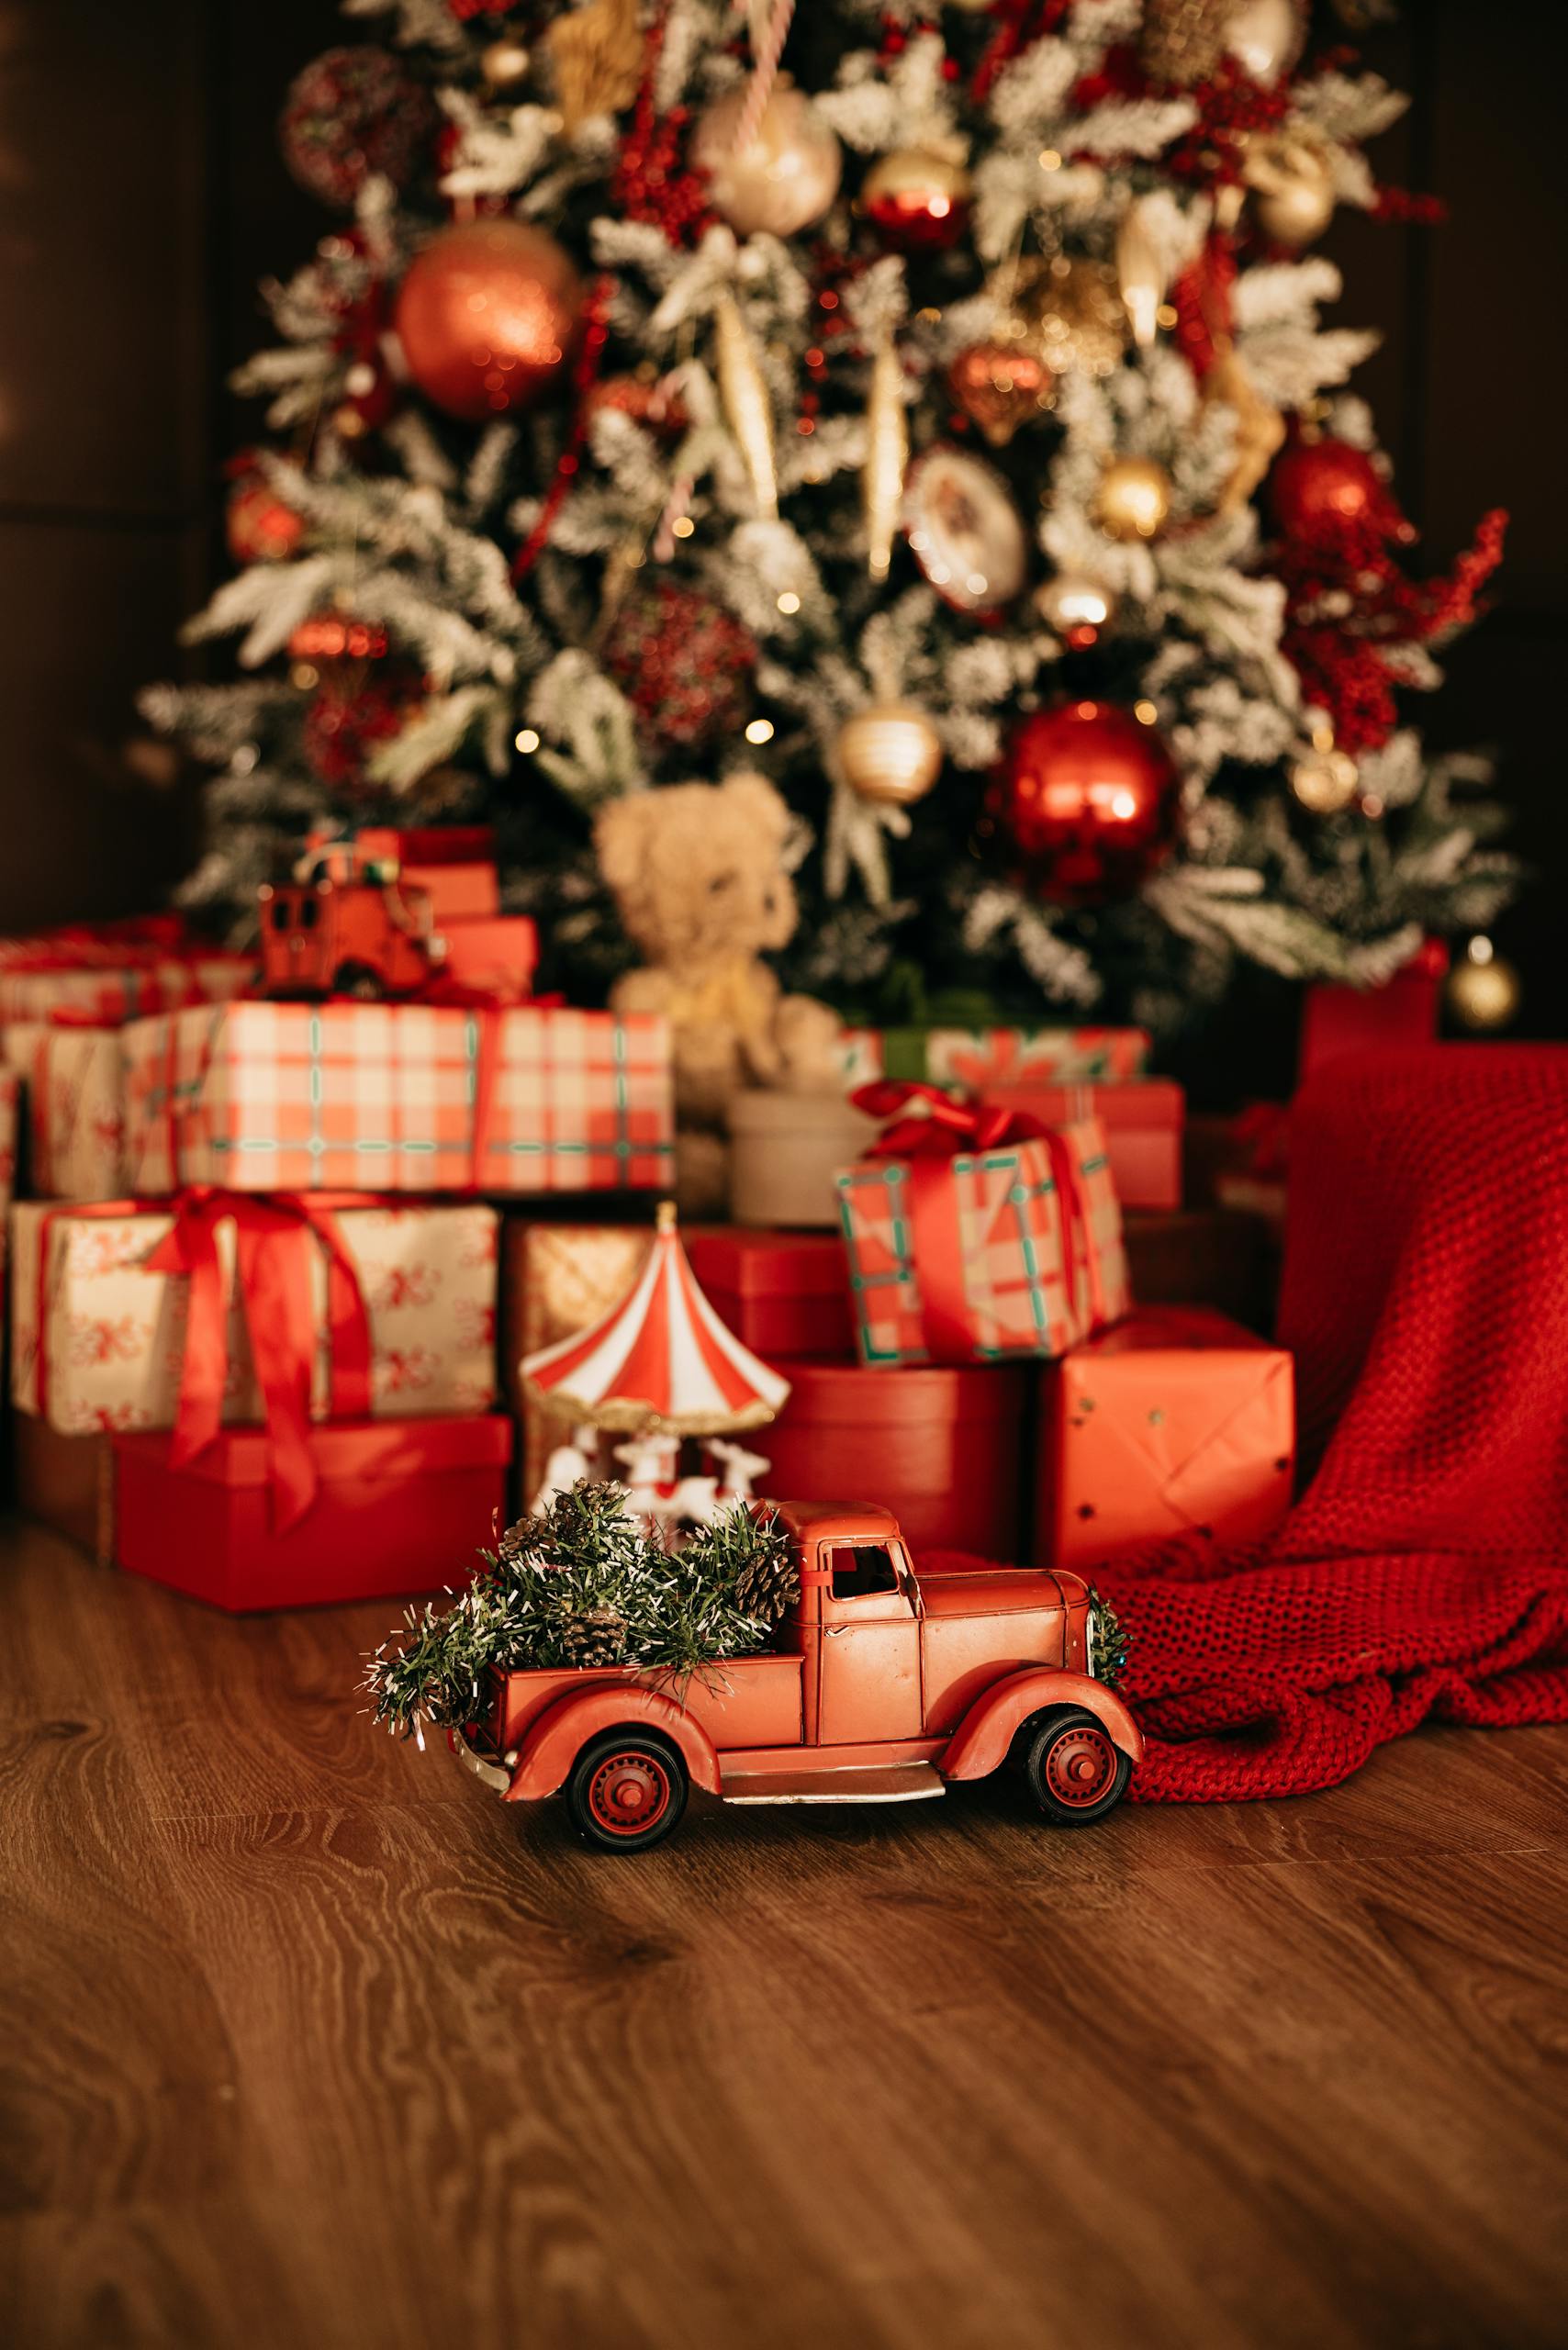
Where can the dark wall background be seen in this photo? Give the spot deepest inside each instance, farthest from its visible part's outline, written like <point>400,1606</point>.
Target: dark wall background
<point>141,198</point>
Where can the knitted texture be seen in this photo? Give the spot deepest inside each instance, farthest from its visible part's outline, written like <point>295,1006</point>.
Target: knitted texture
<point>1424,1573</point>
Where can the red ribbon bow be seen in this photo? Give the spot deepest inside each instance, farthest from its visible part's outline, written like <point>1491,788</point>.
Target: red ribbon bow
<point>928,1138</point>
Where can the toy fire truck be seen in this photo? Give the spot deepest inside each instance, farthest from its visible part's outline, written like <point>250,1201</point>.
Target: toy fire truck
<point>385,912</point>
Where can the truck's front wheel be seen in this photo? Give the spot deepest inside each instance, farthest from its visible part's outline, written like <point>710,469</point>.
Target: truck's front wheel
<point>1076,1772</point>
<point>626,1792</point>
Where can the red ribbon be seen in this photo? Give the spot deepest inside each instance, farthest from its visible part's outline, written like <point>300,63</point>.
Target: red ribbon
<point>275,1235</point>
<point>928,1140</point>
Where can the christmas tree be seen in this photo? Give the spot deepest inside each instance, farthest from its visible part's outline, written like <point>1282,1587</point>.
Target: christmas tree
<point>926,406</point>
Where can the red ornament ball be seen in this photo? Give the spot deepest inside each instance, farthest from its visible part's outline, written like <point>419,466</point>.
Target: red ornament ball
<point>917,200</point>
<point>1087,798</point>
<point>683,662</point>
<point>353,113</point>
<point>1320,489</point>
<point>488,315</point>
<point>353,712</point>
<point>258,525</point>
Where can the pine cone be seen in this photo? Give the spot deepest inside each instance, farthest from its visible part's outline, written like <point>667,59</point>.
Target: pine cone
<point>1183,41</point>
<point>596,1636</point>
<point>769,1584</point>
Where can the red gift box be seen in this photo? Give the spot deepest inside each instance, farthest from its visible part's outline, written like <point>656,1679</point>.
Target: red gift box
<point>782,1292</point>
<point>1141,1122</point>
<point>400,1506</point>
<point>941,1446</point>
<point>1176,1422</point>
<point>1402,1011</point>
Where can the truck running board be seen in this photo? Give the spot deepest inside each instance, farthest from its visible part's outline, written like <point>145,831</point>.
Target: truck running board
<point>885,1782</point>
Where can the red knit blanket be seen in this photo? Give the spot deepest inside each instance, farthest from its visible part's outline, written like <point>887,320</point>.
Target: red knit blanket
<point>1424,1573</point>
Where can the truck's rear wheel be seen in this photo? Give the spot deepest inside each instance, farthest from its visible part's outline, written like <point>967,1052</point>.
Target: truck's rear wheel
<point>357,979</point>
<point>1075,1770</point>
<point>626,1792</point>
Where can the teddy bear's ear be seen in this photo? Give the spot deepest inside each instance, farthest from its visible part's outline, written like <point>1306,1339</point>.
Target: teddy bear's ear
<point>758,803</point>
<point>620,833</point>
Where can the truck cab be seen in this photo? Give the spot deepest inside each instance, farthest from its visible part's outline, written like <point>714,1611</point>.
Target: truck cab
<point>883,1685</point>
<point>386,911</point>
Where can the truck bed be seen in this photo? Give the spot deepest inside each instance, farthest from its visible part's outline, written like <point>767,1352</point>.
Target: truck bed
<point>748,1701</point>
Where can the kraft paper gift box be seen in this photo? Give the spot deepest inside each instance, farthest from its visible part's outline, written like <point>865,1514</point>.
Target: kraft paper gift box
<point>99,1337</point>
<point>399,1098</point>
<point>985,1254</point>
<point>785,1152</point>
<point>1177,1422</point>
<point>555,1280</point>
<point>975,1059</point>
<point>397,1508</point>
<point>75,1087</point>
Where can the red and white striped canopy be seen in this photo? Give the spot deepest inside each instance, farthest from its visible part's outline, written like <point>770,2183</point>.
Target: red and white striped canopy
<point>659,1361</point>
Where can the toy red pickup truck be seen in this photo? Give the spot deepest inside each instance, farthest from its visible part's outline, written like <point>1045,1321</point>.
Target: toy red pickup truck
<point>387,912</point>
<point>882,1687</point>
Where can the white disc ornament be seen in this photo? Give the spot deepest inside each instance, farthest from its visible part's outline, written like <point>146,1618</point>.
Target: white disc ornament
<point>889,754</point>
<point>964,530</point>
<point>785,178</point>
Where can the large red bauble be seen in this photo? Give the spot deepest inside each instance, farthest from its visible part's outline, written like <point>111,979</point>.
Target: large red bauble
<point>683,662</point>
<point>258,526</point>
<point>1088,800</point>
<point>917,199</point>
<point>350,113</point>
<point>1318,488</point>
<point>488,316</point>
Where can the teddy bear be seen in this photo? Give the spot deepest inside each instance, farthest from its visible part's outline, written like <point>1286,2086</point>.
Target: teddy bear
<point>699,877</point>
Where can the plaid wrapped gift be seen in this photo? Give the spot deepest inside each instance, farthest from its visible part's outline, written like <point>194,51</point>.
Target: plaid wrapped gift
<point>108,995</point>
<point>977,1058</point>
<point>98,1334</point>
<point>962,1255</point>
<point>399,1098</point>
<point>75,1087</point>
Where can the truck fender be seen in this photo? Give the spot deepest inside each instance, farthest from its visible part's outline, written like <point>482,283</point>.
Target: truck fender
<point>558,1737</point>
<point>980,1744</point>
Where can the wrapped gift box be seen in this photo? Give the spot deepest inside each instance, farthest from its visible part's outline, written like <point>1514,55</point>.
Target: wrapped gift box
<point>99,1338</point>
<point>993,1253</point>
<point>76,1086</point>
<point>556,1279</point>
<point>110,994</point>
<point>1141,1123</point>
<point>397,1508</point>
<point>1177,1422</point>
<point>941,1446</point>
<point>783,1292</point>
<point>10,1107</point>
<point>1404,1011</point>
<point>978,1059</point>
<point>399,1098</point>
<point>785,1152</point>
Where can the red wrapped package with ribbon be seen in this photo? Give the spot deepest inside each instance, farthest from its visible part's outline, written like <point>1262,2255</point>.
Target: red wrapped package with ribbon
<point>978,1235</point>
<point>221,1307</point>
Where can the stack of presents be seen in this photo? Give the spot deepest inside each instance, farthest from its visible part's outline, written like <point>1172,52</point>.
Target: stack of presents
<point>273,1266</point>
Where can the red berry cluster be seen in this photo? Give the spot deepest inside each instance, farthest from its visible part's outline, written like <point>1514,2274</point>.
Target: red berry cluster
<point>896,38</point>
<point>349,716</point>
<point>1201,298</point>
<point>596,330</point>
<point>682,661</point>
<point>653,182</point>
<point>1020,23</point>
<point>467,10</point>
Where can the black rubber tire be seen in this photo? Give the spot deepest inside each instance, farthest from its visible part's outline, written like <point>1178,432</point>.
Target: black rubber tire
<point>1068,1744</point>
<point>358,980</point>
<point>654,1763</point>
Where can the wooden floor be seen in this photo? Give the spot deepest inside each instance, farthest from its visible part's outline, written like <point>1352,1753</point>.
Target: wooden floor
<point>309,2041</point>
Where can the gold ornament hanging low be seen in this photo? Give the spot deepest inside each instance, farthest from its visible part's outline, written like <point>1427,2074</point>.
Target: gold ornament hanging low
<point>1133,500</point>
<point>1482,990</point>
<point>743,395</point>
<point>1068,311</point>
<point>1183,40</point>
<point>1075,606</point>
<point>597,55</point>
<point>889,754</point>
<point>505,66</point>
<point>1259,428</point>
<point>1291,174</point>
<point>887,458</point>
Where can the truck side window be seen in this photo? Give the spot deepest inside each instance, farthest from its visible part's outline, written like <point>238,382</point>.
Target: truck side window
<point>280,913</point>
<point>310,913</point>
<point>857,1572</point>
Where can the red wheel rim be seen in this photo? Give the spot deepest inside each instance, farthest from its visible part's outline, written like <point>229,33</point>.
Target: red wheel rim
<point>629,1793</point>
<point>1081,1765</point>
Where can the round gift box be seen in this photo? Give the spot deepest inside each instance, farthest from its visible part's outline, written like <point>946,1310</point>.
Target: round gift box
<point>939,1446</point>
<point>784,1149</point>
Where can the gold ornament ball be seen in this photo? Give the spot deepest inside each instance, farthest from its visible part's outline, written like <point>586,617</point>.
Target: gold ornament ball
<point>1325,781</point>
<point>1134,497</point>
<point>505,65</point>
<point>889,754</point>
<point>1292,191</point>
<point>787,177</point>
<point>1072,312</point>
<point>1482,990</point>
<point>1075,606</point>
